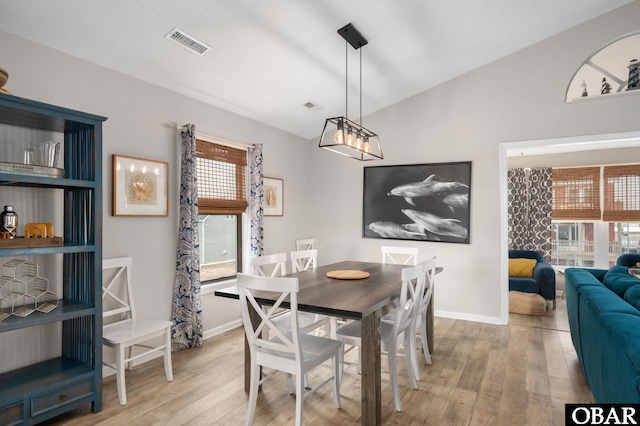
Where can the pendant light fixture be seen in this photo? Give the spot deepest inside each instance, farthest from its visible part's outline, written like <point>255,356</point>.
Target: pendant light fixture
<point>341,135</point>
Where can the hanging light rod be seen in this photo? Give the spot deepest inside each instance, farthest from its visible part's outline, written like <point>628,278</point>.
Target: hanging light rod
<point>344,136</point>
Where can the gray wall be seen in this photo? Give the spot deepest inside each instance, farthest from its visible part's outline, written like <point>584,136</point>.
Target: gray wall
<point>142,122</point>
<point>517,98</point>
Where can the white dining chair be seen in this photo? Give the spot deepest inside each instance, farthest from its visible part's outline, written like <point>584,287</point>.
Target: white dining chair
<point>290,350</point>
<point>123,330</point>
<point>303,260</point>
<point>275,265</point>
<point>400,255</point>
<point>390,331</point>
<point>270,265</point>
<point>306,244</point>
<point>420,319</point>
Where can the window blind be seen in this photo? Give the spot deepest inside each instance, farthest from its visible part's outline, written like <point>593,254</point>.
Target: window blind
<point>621,193</point>
<point>221,172</point>
<point>576,193</point>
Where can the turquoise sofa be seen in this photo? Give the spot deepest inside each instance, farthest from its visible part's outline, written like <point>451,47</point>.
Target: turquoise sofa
<point>604,318</point>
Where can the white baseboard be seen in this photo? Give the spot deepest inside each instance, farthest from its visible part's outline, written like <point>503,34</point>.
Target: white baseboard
<point>468,317</point>
<point>222,329</point>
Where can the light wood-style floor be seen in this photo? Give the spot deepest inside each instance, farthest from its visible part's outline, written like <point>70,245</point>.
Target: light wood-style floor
<point>481,375</point>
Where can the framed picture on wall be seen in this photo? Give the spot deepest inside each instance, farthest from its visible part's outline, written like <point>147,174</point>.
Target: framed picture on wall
<point>140,187</point>
<point>273,196</point>
<point>421,202</point>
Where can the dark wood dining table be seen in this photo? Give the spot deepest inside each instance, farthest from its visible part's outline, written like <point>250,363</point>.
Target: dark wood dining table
<point>362,299</point>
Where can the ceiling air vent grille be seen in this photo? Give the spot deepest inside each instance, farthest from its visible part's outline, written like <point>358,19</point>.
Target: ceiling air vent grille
<point>188,42</point>
<point>313,107</point>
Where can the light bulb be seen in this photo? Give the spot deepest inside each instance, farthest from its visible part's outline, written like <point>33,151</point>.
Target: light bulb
<point>359,141</point>
<point>339,136</point>
<point>350,139</point>
<point>367,145</point>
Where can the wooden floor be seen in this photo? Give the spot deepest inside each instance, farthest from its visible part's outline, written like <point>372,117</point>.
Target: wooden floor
<point>481,375</point>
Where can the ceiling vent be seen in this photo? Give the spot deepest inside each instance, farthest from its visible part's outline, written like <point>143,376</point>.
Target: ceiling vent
<point>188,42</point>
<point>313,107</point>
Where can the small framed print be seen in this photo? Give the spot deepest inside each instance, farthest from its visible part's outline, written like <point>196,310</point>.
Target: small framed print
<point>273,196</point>
<point>140,187</point>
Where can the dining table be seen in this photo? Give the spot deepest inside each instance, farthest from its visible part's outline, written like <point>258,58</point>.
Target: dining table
<point>364,299</point>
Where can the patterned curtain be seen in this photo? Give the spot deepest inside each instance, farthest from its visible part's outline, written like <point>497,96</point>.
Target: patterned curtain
<point>187,307</point>
<point>256,199</point>
<point>530,201</point>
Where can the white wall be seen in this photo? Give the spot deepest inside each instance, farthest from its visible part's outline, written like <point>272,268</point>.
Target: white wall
<point>517,98</point>
<point>520,97</point>
<point>142,122</point>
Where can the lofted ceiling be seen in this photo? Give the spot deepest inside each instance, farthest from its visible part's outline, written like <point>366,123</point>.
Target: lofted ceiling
<point>268,58</point>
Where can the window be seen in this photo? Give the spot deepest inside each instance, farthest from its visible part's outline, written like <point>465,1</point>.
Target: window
<point>589,232</point>
<point>222,200</point>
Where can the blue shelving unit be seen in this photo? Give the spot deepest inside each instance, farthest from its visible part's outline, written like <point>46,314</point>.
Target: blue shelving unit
<point>38,392</point>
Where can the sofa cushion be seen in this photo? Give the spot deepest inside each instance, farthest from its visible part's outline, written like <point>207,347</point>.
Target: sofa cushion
<point>632,296</point>
<point>619,280</point>
<point>521,267</point>
<point>601,301</point>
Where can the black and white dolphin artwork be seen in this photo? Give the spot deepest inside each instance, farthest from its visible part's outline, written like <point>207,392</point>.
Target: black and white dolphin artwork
<point>436,224</point>
<point>425,188</point>
<point>457,200</point>
<point>393,230</point>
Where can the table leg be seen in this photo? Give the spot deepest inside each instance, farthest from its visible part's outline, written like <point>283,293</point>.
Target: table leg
<point>430,321</point>
<point>371,370</point>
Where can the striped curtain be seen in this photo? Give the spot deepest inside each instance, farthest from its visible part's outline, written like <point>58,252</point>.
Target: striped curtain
<point>187,307</point>
<point>529,208</point>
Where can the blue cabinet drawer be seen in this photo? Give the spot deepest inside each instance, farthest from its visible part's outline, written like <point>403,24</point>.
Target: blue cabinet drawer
<point>55,399</point>
<point>12,415</point>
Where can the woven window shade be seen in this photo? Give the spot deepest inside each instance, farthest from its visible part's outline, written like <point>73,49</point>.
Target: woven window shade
<point>221,178</point>
<point>621,193</point>
<point>576,193</point>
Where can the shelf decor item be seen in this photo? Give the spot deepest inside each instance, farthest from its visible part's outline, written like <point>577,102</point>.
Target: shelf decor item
<point>140,187</point>
<point>4,76</point>
<point>23,291</point>
<point>8,223</point>
<point>273,197</point>
<point>38,230</point>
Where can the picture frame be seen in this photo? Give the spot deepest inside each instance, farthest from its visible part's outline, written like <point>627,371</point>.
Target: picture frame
<point>140,187</point>
<point>419,202</point>
<point>273,196</point>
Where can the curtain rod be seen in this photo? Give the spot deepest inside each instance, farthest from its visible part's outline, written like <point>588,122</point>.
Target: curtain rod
<point>219,140</point>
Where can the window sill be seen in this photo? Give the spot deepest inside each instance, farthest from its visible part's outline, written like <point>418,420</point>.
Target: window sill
<point>211,288</point>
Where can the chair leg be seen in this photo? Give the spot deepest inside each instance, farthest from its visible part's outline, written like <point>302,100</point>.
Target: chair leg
<point>336,366</point>
<point>410,357</point>
<point>129,352</point>
<point>425,342</point>
<point>253,392</point>
<point>168,368</point>
<point>120,382</point>
<point>393,374</point>
<point>299,398</point>
<point>289,380</point>
<point>554,303</point>
<point>412,352</point>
